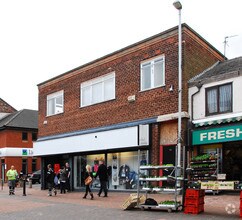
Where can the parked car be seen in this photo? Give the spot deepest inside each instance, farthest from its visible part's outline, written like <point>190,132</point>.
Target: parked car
<point>35,177</point>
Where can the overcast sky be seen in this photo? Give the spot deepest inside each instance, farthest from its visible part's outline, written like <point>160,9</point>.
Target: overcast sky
<point>41,39</point>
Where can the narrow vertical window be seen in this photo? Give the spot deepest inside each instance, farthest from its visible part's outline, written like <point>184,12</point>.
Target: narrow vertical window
<point>153,73</point>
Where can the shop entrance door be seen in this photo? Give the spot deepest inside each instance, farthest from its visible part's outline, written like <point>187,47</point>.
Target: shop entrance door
<point>232,161</point>
<point>167,156</point>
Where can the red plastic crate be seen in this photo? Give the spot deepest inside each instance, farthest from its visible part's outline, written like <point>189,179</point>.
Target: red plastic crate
<point>195,193</point>
<point>240,194</point>
<point>240,214</point>
<point>194,201</point>
<point>193,209</point>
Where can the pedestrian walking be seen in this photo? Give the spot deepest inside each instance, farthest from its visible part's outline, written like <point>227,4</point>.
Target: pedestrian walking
<point>50,175</point>
<point>68,173</point>
<point>63,178</point>
<point>88,181</point>
<point>12,175</point>
<point>102,173</point>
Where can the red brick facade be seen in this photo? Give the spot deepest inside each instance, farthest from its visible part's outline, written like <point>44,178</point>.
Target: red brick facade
<point>197,55</point>
<point>13,139</point>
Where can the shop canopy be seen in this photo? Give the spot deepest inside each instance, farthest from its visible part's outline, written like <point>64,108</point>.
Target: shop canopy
<point>221,119</point>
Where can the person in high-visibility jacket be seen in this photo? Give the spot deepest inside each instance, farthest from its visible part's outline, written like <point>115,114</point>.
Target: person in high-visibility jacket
<point>12,176</point>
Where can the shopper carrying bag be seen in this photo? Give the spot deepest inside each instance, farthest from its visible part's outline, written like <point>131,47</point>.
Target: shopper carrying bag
<point>88,181</point>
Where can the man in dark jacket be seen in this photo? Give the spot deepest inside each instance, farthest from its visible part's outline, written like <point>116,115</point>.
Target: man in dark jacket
<point>50,175</point>
<point>103,177</point>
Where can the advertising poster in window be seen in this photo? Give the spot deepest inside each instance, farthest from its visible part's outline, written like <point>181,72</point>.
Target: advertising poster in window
<point>115,167</point>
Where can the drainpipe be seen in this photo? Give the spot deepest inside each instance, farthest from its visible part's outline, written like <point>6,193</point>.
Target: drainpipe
<point>199,86</point>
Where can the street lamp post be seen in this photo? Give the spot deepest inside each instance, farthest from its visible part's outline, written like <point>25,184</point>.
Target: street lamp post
<point>178,6</point>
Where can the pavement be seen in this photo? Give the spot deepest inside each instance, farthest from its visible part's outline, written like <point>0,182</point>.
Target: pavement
<point>70,206</point>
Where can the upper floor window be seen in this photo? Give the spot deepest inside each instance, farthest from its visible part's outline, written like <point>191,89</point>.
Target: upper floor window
<point>153,73</point>
<point>24,136</point>
<point>34,136</point>
<point>98,90</point>
<point>219,99</point>
<point>55,103</point>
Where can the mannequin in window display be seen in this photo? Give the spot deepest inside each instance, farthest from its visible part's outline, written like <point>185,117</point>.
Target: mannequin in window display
<point>124,171</point>
<point>142,163</point>
<point>124,175</point>
<point>114,171</point>
<point>143,159</point>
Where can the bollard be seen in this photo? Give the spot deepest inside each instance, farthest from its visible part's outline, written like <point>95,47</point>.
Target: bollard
<point>24,187</point>
<point>2,183</point>
<point>30,183</point>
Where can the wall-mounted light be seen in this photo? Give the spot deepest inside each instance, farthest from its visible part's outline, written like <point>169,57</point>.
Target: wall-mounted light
<point>45,122</point>
<point>171,88</point>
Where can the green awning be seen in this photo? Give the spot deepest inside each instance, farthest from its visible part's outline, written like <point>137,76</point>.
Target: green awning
<point>221,120</point>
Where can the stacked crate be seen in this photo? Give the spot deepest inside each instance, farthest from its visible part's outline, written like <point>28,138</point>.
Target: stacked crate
<point>240,204</point>
<point>194,201</point>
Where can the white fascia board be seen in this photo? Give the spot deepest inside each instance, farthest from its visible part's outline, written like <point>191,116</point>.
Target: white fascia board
<point>16,152</point>
<point>112,139</point>
<point>173,116</point>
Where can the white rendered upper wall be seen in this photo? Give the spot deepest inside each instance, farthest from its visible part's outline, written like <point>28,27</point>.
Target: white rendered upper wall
<point>199,110</point>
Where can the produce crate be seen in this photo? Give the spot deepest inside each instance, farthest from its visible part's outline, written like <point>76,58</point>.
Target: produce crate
<point>132,200</point>
<point>194,201</point>
<point>194,193</point>
<point>190,209</point>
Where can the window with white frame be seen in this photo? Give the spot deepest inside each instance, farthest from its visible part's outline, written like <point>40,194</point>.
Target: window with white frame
<point>219,99</point>
<point>98,90</point>
<point>153,73</point>
<point>55,103</point>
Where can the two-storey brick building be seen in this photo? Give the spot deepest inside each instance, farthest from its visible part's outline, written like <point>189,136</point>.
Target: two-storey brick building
<point>118,104</point>
<point>18,130</point>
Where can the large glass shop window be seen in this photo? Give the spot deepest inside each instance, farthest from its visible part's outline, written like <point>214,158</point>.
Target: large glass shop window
<point>123,169</point>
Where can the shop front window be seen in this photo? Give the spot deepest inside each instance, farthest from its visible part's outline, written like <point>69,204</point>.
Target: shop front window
<point>80,163</point>
<point>122,169</point>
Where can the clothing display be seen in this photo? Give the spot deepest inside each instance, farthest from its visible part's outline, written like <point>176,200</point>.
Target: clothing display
<point>124,171</point>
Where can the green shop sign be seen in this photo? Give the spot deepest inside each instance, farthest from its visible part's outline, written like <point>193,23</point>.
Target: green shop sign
<point>217,135</point>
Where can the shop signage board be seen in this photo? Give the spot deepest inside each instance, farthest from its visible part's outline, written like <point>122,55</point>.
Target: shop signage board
<point>217,135</point>
<point>218,185</point>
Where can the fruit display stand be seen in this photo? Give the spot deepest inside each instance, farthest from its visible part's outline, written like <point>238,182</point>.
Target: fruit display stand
<point>169,205</point>
<point>206,167</point>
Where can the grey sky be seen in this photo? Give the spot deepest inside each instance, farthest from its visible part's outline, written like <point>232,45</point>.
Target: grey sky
<point>41,39</point>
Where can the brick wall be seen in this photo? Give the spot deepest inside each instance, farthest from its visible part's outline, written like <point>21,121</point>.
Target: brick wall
<point>196,56</point>
<point>5,107</point>
<point>14,139</point>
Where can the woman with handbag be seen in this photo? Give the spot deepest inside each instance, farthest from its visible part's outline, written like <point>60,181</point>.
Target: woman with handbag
<point>88,181</point>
